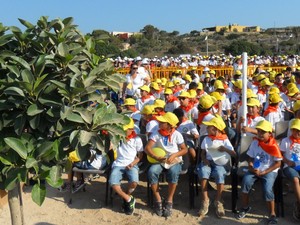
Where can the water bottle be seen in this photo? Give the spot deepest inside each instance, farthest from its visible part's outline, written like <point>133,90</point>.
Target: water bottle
<point>256,162</point>
<point>295,158</point>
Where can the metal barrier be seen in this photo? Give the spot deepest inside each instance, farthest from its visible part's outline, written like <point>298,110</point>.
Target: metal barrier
<point>167,72</point>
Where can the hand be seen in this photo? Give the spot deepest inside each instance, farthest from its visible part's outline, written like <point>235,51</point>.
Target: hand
<point>128,167</point>
<point>161,159</point>
<point>290,163</point>
<point>171,159</point>
<point>222,149</point>
<point>205,162</point>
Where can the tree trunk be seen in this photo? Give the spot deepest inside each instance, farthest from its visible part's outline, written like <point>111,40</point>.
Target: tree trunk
<point>16,205</point>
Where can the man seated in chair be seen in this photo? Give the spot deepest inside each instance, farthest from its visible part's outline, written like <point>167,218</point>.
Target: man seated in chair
<point>129,153</point>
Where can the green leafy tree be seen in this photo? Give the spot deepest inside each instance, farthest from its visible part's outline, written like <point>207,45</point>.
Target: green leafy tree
<point>49,75</point>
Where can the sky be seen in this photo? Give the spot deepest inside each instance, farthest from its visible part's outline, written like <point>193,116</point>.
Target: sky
<point>133,15</point>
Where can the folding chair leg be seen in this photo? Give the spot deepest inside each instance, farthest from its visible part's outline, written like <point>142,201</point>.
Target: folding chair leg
<point>234,191</point>
<point>278,192</point>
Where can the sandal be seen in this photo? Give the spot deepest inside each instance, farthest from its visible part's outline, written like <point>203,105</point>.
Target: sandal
<point>272,220</point>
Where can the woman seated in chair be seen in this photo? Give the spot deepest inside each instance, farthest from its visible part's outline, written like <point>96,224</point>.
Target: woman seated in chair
<point>172,143</point>
<point>216,153</point>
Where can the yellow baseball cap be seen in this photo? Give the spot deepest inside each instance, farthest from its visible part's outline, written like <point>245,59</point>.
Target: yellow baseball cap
<point>291,85</point>
<point>169,118</point>
<point>129,101</point>
<point>260,77</point>
<point>292,91</point>
<point>264,125</point>
<point>187,77</point>
<point>212,72</point>
<point>217,122</point>
<point>207,101</point>
<point>266,82</point>
<point>130,125</point>
<point>200,86</point>
<point>238,84</point>
<point>295,124</point>
<point>274,90</point>
<point>250,93</point>
<point>155,86</point>
<point>218,85</point>
<point>192,93</point>
<point>275,98</point>
<point>238,72</point>
<point>253,102</point>
<point>147,110</point>
<point>217,95</point>
<point>169,84</point>
<point>168,91</point>
<point>296,105</point>
<point>158,103</point>
<point>184,94</point>
<point>158,81</point>
<point>145,88</point>
<point>163,80</point>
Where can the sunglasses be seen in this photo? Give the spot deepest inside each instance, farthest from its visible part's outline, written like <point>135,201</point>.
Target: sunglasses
<point>182,99</point>
<point>134,68</point>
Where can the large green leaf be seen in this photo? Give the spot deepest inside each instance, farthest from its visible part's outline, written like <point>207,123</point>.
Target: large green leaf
<point>85,114</point>
<point>17,145</point>
<point>26,23</point>
<point>14,91</point>
<point>85,137</point>
<point>38,194</point>
<point>54,177</point>
<point>31,162</point>
<point>21,62</point>
<point>63,49</point>
<point>27,76</point>
<point>34,110</point>
<point>74,117</point>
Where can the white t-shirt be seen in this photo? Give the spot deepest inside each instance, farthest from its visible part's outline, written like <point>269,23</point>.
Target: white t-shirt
<point>188,127</point>
<point>274,117</point>
<point>208,142</point>
<point>152,126</point>
<point>266,160</point>
<point>285,146</point>
<point>137,82</point>
<point>127,151</point>
<point>140,104</point>
<point>164,143</point>
<point>170,106</point>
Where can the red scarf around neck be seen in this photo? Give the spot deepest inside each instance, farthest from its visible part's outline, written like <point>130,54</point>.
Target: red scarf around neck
<point>221,137</point>
<point>271,147</point>
<point>172,99</point>
<point>144,98</point>
<point>166,133</point>
<point>132,135</point>
<point>187,108</point>
<point>270,109</point>
<point>294,140</point>
<point>250,118</point>
<point>201,116</point>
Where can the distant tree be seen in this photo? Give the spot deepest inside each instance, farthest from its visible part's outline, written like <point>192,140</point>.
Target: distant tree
<point>240,46</point>
<point>194,33</point>
<point>223,30</point>
<point>100,34</point>
<point>149,31</point>
<point>174,33</point>
<point>232,36</point>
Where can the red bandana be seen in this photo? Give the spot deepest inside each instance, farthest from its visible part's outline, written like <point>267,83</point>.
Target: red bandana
<point>166,133</point>
<point>221,137</point>
<point>132,135</point>
<point>271,147</point>
<point>144,98</point>
<point>270,109</point>
<point>251,117</point>
<point>172,99</point>
<point>201,116</point>
<point>294,140</point>
<point>187,108</point>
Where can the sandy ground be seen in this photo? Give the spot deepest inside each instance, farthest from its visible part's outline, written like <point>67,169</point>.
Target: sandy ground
<point>89,208</point>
